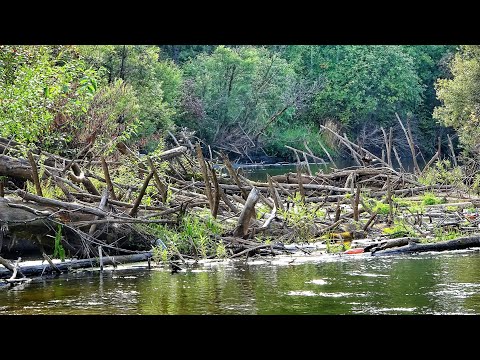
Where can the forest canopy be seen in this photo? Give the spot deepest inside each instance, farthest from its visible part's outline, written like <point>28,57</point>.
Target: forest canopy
<point>245,100</point>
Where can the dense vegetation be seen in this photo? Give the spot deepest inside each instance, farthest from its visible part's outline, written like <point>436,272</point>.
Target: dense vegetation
<point>246,100</point>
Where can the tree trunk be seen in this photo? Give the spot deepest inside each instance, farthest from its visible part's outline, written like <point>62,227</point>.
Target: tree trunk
<point>247,213</point>
<point>32,270</point>
<point>456,244</point>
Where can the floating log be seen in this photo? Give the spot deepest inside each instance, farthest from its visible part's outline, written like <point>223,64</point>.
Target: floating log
<point>456,244</point>
<point>33,270</point>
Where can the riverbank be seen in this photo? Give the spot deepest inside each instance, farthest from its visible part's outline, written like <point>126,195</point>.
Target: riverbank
<point>177,206</point>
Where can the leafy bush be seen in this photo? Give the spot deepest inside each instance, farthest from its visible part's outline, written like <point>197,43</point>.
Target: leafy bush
<point>442,173</point>
<point>429,198</point>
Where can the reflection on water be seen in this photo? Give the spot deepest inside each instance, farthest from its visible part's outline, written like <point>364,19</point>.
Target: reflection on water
<point>422,284</point>
<point>259,173</point>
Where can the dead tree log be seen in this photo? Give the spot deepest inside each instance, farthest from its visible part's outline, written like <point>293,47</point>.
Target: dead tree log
<point>456,244</point>
<point>247,213</point>
<point>387,244</point>
<point>134,209</point>
<point>203,168</point>
<point>36,179</point>
<point>33,270</point>
<point>410,144</point>
<point>60,204</point>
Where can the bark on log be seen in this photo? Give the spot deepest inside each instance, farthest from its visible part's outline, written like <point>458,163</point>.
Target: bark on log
<point>247,213</point>
<point>162,188</point>
<point>387,244</point>
<point>60,204</point>
<point>18,168</point>
<point>408,135</point>
<point>36,180</point>
<point>233,174</point>
<point>456,244</point>
<point>108,180</point>
<point>203,168</point>
<point>134,209</point>
<point>32,270</point>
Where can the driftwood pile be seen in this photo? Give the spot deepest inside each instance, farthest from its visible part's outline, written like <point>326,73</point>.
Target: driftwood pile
<point>98,212</point>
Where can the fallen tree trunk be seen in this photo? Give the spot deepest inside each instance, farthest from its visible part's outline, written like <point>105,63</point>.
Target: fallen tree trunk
<point>387,244</point>
<point>32,270</point>
<point>17,168</point>
<point>456,244</point>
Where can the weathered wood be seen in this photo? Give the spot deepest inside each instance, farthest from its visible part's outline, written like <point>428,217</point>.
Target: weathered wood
<point>33,270</point>
<point>79,176</point>
<point>36,180</point>
<point>100,257</point>
<point>456,244</point>
<point>138,200</point>
<point>338,211</point>
<point>387,244</point>
<point>60,204</point>
<point>233,174</point>
<point>17,168</point>
<point>203,168</point>
<point>452,151</point>
<point>410,144</point>
<point>53,266</point>
<point>300,184</point>
<point>101,206</point>
<point>355,204</point>
<point>227,201</point>
<point>216,194</point>
<point>161,187</point>
<point>413,190</point>
<point>106,174</point>
<point>269,219</point>
<point>328,154</point>
<point>274,194</point>
<point>247,213</point>
<point>246,251</point>
<point>351,145</point>
<point>305,154</point>
<point>91,198</point>
<point>389,201</point>
<point>370,221</point>
<point>398,159</point>
<point>9,266</point>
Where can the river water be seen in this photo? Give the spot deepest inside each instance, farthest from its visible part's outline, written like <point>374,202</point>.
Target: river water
<point>444,283</point>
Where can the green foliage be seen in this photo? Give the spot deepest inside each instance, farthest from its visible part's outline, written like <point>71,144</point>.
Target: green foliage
<point>374,205</point>
<point>242,85</point>
<point>59,251</point>
<point>159,253</point>
<point>300,217</point>
<point>295,135</point>
<point>442,173</point>
<point>261,211</point>
<point>156,84</point>
<point>460,96</point>
<point>361,83</point>
<point>195,235</point>
<point>41,89</point>
<point>333,248</point>
<point>476,184</point>
<point>429,198</point>
<point>112,117</point>
<point>221,251</point>
<point>400,229</point>
<point>443,234</point>
<point>381,208</point>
